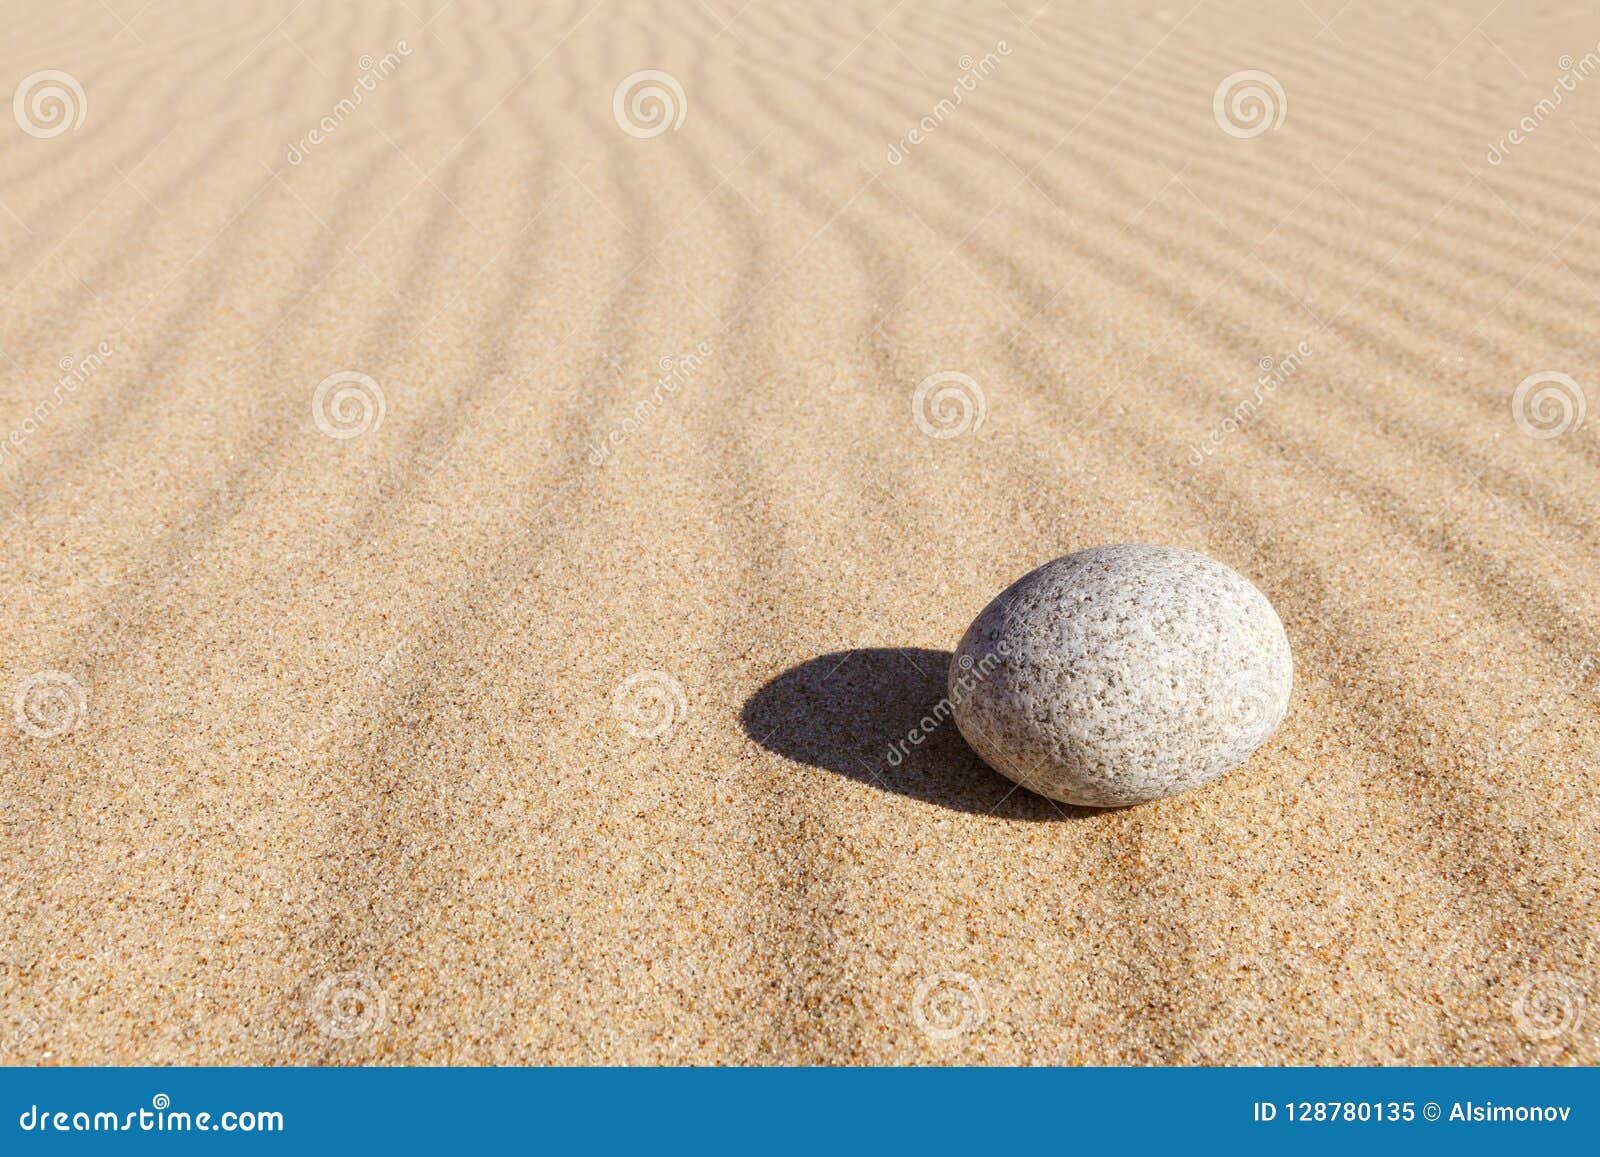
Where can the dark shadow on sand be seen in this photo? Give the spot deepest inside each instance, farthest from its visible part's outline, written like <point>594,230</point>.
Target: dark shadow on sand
<point>853,712</point>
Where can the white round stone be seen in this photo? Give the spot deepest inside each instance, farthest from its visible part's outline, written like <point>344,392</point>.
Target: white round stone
<point>1121,674</point>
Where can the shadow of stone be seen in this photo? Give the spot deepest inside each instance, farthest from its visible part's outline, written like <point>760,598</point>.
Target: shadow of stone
<point>874,715</point>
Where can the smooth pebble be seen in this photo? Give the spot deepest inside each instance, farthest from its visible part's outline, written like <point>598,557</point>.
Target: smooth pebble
<point>1122,674</point>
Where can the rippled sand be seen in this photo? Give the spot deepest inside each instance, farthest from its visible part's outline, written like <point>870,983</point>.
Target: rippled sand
<point>528,692</point>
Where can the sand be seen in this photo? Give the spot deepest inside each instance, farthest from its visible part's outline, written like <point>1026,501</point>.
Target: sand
<point>547,710</point>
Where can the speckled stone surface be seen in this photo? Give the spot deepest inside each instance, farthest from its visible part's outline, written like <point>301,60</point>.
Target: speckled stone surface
<point>1122,674</point>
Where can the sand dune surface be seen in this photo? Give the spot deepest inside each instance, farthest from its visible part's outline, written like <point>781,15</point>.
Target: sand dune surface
<point>490,491</point>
